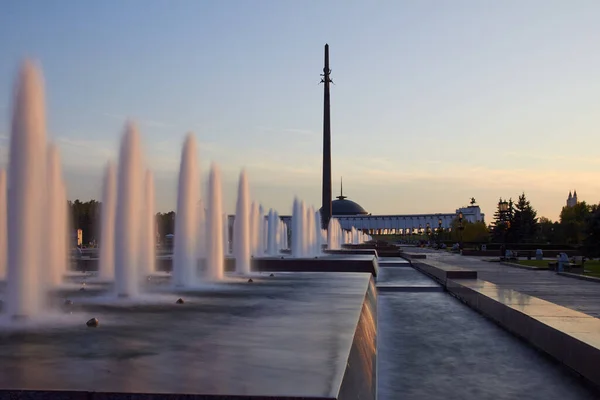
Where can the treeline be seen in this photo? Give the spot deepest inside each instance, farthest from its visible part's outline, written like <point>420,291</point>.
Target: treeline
<point>86,216</point>
<point>517,222</point>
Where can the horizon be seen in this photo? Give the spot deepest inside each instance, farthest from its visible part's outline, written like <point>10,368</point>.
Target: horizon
<point>491,100</point>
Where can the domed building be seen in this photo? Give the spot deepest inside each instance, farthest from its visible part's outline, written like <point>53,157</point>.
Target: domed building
<point>344,207</point>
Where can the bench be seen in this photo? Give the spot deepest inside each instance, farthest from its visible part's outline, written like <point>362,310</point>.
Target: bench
<point>570,267</point>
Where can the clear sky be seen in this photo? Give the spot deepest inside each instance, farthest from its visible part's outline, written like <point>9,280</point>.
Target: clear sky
<point>435,101</point>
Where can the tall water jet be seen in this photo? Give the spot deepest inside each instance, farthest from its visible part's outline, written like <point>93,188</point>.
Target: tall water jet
<point>225,234</point>
<point>254,229</point>
<point>128,215</point>
<point>332,240</point>
<point>26,197</point>
<point>286,242</point>
<point>106,268</point>
<point>201,232</point>
<point>184,252</point>
<point>297,219</point>
<point>214,226</point>
<point>3,233</point>
<point>148,233</point>
<point>271,232</point>
<point>55,225</point>
<point>318,233</point>
<point>309,232</point>
<point>241,227</point>
<point>262,233</point>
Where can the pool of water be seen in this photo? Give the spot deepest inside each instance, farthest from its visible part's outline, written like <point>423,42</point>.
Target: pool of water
<point>431,346</point>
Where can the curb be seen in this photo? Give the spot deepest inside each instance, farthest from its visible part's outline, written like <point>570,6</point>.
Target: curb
<point>579,276</point>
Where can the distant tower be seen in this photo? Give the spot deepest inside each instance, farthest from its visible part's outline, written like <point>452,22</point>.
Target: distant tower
<point>572,199</point>
<point>326,192</point>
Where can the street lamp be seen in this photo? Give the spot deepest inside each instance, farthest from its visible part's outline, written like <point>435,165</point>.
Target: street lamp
<point>439,232</point>
<point>428,232</point>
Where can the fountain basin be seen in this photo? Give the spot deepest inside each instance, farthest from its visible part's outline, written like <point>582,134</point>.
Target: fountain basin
<point>294,335</point>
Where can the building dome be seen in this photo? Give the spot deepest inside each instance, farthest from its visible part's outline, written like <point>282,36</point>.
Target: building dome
<point>343,207</point>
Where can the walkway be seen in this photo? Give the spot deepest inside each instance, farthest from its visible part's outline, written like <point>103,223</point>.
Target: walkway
<point>573,293</point>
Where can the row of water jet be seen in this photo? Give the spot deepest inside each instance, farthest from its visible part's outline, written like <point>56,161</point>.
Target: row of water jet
<point>307,236</point>
<point>336,236</point>
<point>34,208</point>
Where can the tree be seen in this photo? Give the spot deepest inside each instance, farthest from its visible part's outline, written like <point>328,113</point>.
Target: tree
<point>573,222</point>
<point>591,243</point>
<point>500,227</point>
<point>166,223</point>
<point>472,231</point>
<point>85,216</point>
<point>524,222</point>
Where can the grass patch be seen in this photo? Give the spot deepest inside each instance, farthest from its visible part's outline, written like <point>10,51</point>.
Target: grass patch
<point>591,267</point>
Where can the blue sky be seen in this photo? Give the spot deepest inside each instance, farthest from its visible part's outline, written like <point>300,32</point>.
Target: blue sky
<point>434,102</point>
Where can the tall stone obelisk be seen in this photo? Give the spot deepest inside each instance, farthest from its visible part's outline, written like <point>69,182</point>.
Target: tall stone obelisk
<point>326,80</point>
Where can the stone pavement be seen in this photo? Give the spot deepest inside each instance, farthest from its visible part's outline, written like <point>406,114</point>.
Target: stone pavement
<point>580,295</point>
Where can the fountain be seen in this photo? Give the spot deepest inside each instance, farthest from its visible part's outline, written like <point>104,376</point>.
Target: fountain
<point>184,253</point>
<point>27,196</point>
<point>3,232</point>
<point>318,233</point>
<point>201,231</point>
<point>214,226</point>
<point>106,267</point>
<point>271,239</point>
<point>147,263</point>
<point>158,324</point>
<point>241,227</point>
<point>225,235</point>
<point>127,252</point>
<point>128,215</point>
<point>254,229</point>
<point>262,231</point>
<point>56,221</point>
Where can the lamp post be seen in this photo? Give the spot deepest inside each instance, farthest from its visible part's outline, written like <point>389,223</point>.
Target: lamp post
<point>439,232</point>
<point>460,229</point>
<point>428,233</point>
<point>503,210</point>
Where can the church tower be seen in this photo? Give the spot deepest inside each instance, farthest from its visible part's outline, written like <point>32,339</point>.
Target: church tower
<point>572,199</point>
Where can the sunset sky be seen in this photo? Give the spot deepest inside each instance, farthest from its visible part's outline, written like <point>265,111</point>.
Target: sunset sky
<point>434,102</point>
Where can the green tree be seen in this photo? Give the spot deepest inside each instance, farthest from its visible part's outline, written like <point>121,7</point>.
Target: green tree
<point>166,223</point>
<point>524,222</point>
<point>471,232</point>
<point>573,222</point>
<point>85,216</point>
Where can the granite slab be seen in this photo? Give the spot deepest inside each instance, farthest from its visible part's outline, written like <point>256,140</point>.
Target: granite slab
<point>569,336</point>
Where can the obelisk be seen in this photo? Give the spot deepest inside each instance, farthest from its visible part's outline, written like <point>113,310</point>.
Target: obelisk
<point>326,80</point>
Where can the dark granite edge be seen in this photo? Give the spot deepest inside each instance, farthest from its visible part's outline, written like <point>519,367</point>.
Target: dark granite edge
<point>409,289</point>
<point>575,353</point>
<point>441,274</point>
<point>579,276</point>
<point>414,256</point>
<point>85,395</point>
<point>351,385</point>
